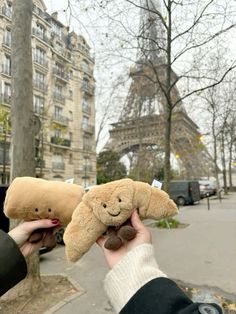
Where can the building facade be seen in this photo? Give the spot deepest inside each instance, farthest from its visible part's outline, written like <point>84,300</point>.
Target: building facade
<point>63,98</point>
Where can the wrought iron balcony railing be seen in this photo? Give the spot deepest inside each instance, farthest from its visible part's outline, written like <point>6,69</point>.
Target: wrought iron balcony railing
<point>60,141</point>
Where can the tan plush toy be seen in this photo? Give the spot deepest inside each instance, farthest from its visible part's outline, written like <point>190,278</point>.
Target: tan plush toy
<point>31,198</point>
<point>110,205</point>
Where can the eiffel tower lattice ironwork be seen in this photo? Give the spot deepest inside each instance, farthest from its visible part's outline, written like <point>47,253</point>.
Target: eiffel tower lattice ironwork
<point>141,122</point>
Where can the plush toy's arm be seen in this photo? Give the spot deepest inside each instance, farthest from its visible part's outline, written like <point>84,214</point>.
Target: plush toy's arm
<point>153,202</point>
<point>82,232</point>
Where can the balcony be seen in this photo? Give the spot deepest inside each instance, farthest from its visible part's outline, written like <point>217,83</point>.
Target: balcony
<point>58,165</point>
<point>60,119</point>
<point>88,128</point>
<point>40,35</point>
<point>6,69</point>
<point>7,11</point>
<point>64,76</point>
<point>59,97</point>
<point>40,85</point>
<point>5,98</point>
<point>88,88</point>
<point>41,60</point>
<point>60,141</point>
<point>86,109</point>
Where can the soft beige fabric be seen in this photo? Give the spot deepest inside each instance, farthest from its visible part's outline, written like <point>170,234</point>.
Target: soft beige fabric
<point>131,273</point>
<point>31,198</point>
<point>111,204</point>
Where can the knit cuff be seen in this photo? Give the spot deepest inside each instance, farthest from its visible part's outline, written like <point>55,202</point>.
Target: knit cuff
<point>132,272</point>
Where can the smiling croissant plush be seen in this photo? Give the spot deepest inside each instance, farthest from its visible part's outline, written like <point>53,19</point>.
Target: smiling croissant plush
<point>111,205</point>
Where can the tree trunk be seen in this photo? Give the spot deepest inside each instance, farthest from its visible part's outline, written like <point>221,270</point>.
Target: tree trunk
<point>230,169</point>
<point>22,118</point>
<point>224,163</point>
<point>168,109</point>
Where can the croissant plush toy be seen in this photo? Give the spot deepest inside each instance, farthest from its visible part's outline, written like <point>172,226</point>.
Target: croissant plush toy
<point>106,208</point>
<point>29,198</point>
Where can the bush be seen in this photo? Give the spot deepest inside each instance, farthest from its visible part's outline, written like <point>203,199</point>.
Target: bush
<point>167,223</point>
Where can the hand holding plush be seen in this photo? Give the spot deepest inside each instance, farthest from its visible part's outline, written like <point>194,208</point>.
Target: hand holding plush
<point>31,198</point>
<point>110,205</point>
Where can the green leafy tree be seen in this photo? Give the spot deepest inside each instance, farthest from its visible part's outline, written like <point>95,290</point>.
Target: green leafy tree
<point>109,167</point>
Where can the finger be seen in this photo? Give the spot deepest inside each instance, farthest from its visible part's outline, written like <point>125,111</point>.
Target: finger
<point>30,226</point>
<point>136,222</point>
<point>101,241</point>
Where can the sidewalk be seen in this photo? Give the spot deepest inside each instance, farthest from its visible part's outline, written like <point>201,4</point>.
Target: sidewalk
<point>204,253</point>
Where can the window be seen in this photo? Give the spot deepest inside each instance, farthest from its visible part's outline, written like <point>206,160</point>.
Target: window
<point>7,65</point>
<point>40,56</point>
<point>58,89</point>
<point>85,121</point>
<point>57,162</point>
<point>84,66</point>
<point>38,104</point>
<point>57,158</point>
<point>57,133</point>
<point>40,29</point>
<point>59,47</point>
<point>7,9</point>
<point>7,89</point>
<point>39,80</point>
<point>7,37</point>
<point>57,112</point>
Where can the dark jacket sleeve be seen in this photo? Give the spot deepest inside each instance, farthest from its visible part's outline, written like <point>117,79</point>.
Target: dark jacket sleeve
<point>163,296</point>
<point>13,267</point>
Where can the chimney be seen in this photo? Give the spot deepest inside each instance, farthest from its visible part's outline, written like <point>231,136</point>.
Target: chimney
<point>55,15</point>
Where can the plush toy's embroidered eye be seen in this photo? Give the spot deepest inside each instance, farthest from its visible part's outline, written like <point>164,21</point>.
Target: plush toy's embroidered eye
<point>36,209</point>
<point>104,205</point>
<point>49,209</point>
<point>119,200</point>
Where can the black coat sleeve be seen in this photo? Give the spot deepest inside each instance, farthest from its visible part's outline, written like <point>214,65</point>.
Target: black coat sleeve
<point>163,296</point>
<point>13,267</point>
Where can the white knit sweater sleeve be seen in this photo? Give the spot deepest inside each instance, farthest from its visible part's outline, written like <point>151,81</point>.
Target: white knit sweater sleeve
<point>133,271</point>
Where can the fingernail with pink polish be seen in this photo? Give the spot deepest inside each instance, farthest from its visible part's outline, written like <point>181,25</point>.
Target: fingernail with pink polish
<point>55,221</point>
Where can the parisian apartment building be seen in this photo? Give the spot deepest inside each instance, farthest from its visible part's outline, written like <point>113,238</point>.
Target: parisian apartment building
<point>63,98</point>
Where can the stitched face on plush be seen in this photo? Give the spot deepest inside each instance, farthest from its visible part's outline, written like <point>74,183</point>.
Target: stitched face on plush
<point>112,205</point>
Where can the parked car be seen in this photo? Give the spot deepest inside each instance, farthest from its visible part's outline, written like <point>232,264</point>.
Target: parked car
<point>185,192</point>
<point>207,188</point>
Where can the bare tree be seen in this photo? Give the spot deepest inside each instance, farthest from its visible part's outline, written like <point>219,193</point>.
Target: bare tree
<point>190,30</point>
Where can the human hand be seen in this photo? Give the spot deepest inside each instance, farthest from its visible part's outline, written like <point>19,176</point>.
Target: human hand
<point>43,228</point>
<point>143,236</point>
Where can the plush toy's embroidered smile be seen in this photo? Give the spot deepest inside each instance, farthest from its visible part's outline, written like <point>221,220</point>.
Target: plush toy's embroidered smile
<point>114,215</point>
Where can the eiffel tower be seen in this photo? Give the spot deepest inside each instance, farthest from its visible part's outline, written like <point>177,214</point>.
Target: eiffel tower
<point>141,123</point>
